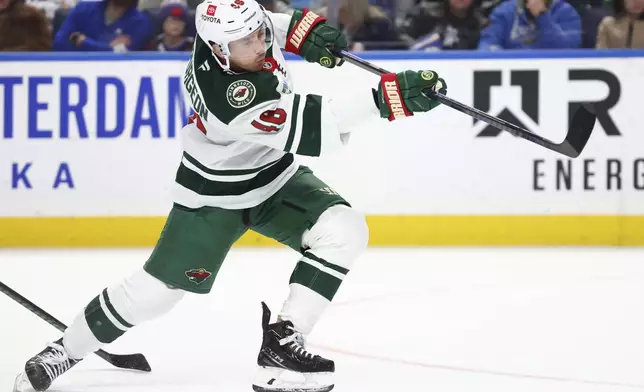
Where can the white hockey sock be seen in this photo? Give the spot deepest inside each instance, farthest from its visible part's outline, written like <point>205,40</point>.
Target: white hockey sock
<point>303,307</point>
<point>79,340</point>
<point>139,298</point>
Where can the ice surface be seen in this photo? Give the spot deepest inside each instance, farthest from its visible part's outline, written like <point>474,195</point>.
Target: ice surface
<point>448,320</point>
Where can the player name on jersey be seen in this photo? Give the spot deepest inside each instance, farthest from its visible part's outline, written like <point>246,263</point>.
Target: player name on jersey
<point>192,89</point>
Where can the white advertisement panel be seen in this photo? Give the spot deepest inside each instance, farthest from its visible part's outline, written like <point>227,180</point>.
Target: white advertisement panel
<point>99,138</point>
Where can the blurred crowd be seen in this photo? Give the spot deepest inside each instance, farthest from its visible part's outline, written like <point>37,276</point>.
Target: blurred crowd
<point>422,25</point>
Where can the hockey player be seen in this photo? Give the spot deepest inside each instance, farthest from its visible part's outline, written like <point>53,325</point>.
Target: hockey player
<point>238,173</point>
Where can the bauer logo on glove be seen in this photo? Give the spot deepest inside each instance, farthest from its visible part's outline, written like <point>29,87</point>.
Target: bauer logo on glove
<point>402,94</point>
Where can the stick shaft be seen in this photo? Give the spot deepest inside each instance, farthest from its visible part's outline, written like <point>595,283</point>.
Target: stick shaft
<point>473,112</point>
<point>130,361</point>
<point>579,131</point>
<point>33,308</point>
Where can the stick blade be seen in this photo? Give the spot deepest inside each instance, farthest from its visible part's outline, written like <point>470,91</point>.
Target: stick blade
<point>128,361</point>
<point>581,127</point>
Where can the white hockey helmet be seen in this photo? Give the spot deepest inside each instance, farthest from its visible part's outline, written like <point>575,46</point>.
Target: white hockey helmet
<point>221,22</point>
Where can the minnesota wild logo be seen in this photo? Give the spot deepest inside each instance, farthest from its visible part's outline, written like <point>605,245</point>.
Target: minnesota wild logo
<point>198,276</point>
<point>240,93</point>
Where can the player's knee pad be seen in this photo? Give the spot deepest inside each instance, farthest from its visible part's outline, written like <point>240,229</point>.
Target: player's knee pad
<point>142,297</point>
<point>331,246</point>
<point>339,236</point>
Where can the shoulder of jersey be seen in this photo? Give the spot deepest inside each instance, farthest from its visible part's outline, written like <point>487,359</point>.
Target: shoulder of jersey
<point>227,96</point>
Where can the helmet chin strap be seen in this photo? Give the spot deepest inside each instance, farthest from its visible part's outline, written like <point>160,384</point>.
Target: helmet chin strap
<point>223,59</point>
<point>224,62</point>
<point>225,65</point>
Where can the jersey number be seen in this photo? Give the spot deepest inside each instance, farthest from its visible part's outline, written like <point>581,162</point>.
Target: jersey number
<point>237,4</point>
<point>276,117</point>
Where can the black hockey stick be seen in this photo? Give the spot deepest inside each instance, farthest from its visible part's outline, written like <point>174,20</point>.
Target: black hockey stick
<point>129,361</point>
<point>581,126</point>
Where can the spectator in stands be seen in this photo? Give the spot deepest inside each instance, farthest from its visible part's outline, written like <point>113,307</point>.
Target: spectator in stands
<point>277,6</point>
<point>49,7</point>
<point>532,24</point>
<point>107,25</point>
<point>452,24</point>
<point>366,27</point>
<point>417,20</point>
<point>389,7</point>
<point>301,4</point>
<point>487,6</point>
<point>23,28</point>
<point>155,5</point>
<point>174,36</point>
<point>149,4</point>
<point>625,29</point>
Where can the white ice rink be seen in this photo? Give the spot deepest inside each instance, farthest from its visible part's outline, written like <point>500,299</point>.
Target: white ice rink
<point>444,320</point>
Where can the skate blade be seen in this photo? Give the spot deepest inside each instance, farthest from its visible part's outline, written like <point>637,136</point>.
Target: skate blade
<point>282,380</point>
<point>325,388</point>
<point>22,384</point>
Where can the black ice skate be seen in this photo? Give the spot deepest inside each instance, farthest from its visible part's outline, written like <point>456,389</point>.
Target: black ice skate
<point>285,365</point>
<point>44,368</point>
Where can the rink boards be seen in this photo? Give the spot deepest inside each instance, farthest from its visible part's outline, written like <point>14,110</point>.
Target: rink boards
<point>89,148</point>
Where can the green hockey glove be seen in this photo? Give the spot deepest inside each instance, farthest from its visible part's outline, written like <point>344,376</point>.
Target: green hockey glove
<point>401,94</point>
<point>311,38</point>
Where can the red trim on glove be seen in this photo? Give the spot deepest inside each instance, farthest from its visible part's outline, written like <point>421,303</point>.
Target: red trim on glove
<point>393,97</point>
<point>301,30</point>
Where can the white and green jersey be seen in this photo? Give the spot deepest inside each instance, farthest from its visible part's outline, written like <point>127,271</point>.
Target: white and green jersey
<point>239,146</point>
